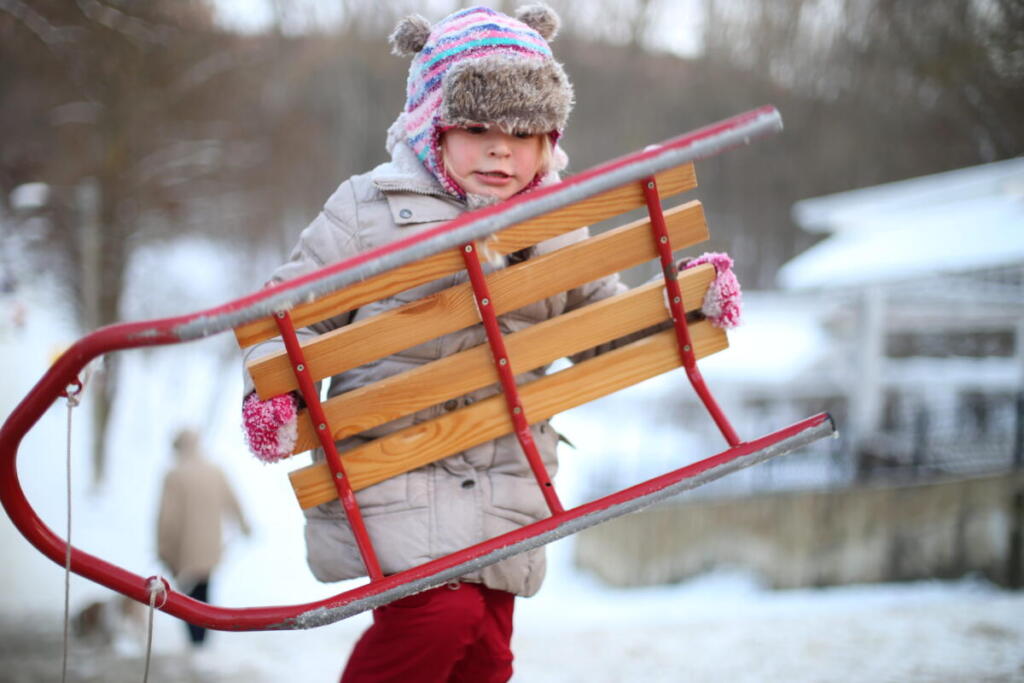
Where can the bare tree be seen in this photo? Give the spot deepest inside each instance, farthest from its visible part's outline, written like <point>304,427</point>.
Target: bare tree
<point>101,81</point>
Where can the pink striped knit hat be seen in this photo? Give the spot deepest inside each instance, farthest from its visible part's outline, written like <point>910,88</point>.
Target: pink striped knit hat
<point>481,66</point>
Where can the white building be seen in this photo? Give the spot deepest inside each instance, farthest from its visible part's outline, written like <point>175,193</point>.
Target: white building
<point>906,322</point>
<point>930,272</point>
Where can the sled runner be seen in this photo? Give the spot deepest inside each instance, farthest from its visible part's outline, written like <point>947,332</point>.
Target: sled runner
<point>634,181</point>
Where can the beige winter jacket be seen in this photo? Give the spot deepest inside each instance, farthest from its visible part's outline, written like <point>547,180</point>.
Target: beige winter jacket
<point>468,497</point>
<point>196,499</point>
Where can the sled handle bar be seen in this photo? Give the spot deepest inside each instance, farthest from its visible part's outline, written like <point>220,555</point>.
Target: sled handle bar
<point>64,374</point>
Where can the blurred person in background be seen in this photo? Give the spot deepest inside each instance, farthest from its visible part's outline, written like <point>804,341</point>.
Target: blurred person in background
<point>196,499</point>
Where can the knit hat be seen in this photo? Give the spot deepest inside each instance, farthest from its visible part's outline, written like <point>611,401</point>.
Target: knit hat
<point>481,66</point>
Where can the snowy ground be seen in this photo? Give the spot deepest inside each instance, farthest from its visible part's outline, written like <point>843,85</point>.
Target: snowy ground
<point>722,626</point>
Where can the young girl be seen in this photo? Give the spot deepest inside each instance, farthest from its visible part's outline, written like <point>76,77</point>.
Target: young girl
<point>486,104</point>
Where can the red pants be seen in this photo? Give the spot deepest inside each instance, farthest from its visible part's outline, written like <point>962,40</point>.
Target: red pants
<point>458,632</point>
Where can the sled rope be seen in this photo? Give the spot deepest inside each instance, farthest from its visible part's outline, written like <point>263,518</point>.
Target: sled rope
<point>156,585</point>
<point>71,393</point>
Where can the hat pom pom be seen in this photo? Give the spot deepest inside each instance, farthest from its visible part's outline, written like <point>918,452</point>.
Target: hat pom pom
<point>541,19</point>
<point>409,36</point>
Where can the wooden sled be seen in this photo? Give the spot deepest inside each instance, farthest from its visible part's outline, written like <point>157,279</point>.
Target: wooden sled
<point>634,181</point>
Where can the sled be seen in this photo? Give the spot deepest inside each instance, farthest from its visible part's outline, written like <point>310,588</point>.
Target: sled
<point>634,181</point>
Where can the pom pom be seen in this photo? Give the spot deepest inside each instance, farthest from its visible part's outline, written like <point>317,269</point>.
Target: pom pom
<point>723,301</point>
<point>409,36</point>
<point>541,19</point>
<point>271,427</point>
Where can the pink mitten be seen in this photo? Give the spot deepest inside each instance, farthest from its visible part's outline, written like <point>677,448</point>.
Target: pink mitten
<point>271,427</point>
<point>723,302</point>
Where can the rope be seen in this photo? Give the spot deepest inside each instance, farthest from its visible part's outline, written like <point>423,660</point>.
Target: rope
<point>156,585</point>
<point>72,397</point>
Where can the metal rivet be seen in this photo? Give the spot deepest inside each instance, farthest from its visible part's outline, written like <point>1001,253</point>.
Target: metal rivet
<point>676,299</point>
<point>469,248</point>
<point>300,367</point>
<point>321,426</point>
<point>503,361</point>
<point>650,184</point>
<point>686,348</point>
<point>339,475</point>
<point>517,410</point>
<point>484,301</point>
<point>663,239</point>
<point>280,314</point>
<point>405,213</point>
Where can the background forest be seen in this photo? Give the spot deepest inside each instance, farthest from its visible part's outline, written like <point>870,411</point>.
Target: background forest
<point>138,121</point>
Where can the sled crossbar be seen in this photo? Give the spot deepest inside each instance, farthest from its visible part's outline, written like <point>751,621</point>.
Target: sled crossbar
<point>388,399</point>
<point>596,194</point>
<point>455,308</point>
<point>598,208</point>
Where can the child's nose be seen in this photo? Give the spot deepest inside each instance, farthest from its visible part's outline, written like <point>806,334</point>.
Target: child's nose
<point>500,147</point>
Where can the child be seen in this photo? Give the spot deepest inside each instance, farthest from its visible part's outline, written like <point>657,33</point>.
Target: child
<point>486,106</point>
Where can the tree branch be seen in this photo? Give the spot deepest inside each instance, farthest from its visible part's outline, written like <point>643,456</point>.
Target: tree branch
<point>136,30</point>
<point>51,36</point>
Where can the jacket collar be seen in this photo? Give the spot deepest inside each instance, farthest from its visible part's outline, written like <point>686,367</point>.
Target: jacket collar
<point>413,195</point>
<point>405,173</point>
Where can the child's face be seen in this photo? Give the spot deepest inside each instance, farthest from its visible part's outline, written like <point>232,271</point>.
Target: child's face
<point>485,160</point>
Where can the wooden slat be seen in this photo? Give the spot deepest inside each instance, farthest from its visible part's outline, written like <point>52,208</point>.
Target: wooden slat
<point>588,212</point>
<point>454,308</point>
<point>430,441</point>
<point>391,398</point>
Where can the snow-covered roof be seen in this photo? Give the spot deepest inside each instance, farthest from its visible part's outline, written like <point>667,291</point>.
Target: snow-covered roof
<point>959,220</point>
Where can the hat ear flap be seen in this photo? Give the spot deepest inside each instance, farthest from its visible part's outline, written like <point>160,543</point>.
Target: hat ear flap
<point>541,19</point>
<point>409,36</point>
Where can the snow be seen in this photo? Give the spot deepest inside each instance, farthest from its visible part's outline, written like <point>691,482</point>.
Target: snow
<point>972,234</point>
<point>959,220</point>
<point>794,341</point>
<point>29,196</point>
<point>721,626</point>
<point>843,211</point>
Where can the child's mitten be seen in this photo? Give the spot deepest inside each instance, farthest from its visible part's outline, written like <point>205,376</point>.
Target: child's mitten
<point>271,427</point>
<point>723,301</point>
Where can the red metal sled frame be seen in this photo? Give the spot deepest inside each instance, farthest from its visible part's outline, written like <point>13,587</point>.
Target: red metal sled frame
<point>503,365</point>
<point>65,373</point>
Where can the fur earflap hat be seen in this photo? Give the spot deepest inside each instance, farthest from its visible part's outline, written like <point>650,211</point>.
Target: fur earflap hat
<point>481,66</point>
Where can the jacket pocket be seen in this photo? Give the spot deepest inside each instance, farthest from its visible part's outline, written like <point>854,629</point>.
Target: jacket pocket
<point>517,499</point>
<point>331,551</point>
<point>385,496</point>
<point>405,491</point>
<point>402,492</point>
